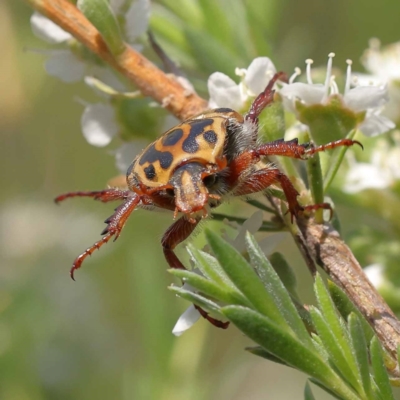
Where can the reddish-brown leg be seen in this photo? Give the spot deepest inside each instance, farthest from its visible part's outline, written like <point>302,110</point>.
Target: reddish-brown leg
<point>114,227</point>
<point>262,179</point>
<point>293,149</point>
<point>264,98</point>
<point>175,234</point>
<point>105,195</point>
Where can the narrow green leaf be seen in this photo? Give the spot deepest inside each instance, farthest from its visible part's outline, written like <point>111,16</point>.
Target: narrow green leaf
<point>359,345</point>
<point>333,348</point>
<point>345,307</point>
<point>335,323</point>
<point>285,346</point>
<point>244,278</point>
<point>196,298</point>
<point>211,289</point>
<point>100,14</point>
<point>320,347</point>
<point>285,273</point>
<point>379,370</point>
<point>316,184</point>
<point>277,291</point>
<point>308,395</point>
<point>209,266</point>
<point>261,352</point>
<point>326,389</point>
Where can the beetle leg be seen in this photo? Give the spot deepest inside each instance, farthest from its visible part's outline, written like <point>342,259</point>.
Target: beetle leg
<point>105,195</point>
<point>175,234</point>
<point>263,178</point>
<point>114,227</point>
<point>293,149</point>
<point>265,98</point>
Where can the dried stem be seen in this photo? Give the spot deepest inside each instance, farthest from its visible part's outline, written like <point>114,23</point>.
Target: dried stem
<point>316,242</point>
<point>149,79</point>
<point>332,254</point>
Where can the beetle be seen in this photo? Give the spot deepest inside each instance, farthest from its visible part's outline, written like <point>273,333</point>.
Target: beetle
<point>193,167</point>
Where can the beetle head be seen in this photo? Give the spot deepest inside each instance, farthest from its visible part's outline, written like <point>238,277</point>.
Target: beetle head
<point>190,182</point>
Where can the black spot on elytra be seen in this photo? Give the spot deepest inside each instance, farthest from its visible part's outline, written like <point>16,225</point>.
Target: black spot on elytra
<point>150,172</point>
<point>173,137</point>
<point>223,110</point>
<point>210,137</point>
<point>152,155</point>
<point>190,144</point>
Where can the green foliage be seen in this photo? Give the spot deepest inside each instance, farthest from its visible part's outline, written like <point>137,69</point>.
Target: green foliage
<point>328,341</point>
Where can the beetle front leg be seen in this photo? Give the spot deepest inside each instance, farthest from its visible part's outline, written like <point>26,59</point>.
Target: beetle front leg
<point>114,227</point>
<point>105,195</point>
<point>175,234</point>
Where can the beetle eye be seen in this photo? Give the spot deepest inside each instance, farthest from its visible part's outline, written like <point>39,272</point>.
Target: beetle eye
<point>210,180</point>
<point>170,192</point>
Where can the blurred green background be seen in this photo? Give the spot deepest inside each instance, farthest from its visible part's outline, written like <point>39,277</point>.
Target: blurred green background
<point>108,335</point>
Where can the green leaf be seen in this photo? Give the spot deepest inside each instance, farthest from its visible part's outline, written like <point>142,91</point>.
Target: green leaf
<point>360,349</point>
<point>196,298</point>
<point>277,291</point>
<point>335,323</point>
<point>209,288</point>
<point>333,348</point>
<point>209,266</point>
<point>285,346</point>
<point>100,14</point>
<point>261,352</point>
<point>379,370</point>
<point>326,389</point>
<point>308,395</point>
<point>316,180</point>
<point>285,273</point>
<point>345,307</point>
<point>244,278</point>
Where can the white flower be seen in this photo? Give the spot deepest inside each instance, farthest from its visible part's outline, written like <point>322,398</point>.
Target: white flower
<point>369,99</point>
<point>186,320</point>
<point>383,64</point>
<point>98,124</point>
<point>66,64</point>
<point>224,92</point>
<point>381,172</point>
<point>375,275</point>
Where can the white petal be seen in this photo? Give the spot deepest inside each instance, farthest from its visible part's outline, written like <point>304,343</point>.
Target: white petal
<point>374,273</point>
<point>366,176</point>
<point>268,244</point>
<point>362,98</point>
<point>307,93</point>
<point>224,92</point>
<point>65,66</point>
<point>258,75</point>
<point>116,5</point>
<point>47,30</point>
<point>127,152</point>
<point>186,321</point>
<point>375,124</point>
<point>137,19</point>
<point>98,124</point>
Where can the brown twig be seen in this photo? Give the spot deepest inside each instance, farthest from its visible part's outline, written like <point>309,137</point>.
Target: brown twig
<point>150,80</point>
<point>333,255</point>
<point>317,243</point>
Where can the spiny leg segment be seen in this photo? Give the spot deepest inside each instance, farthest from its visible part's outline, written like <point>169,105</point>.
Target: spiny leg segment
<point>105,195</point>
<point>175,234</point>
<point>114,227</point>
